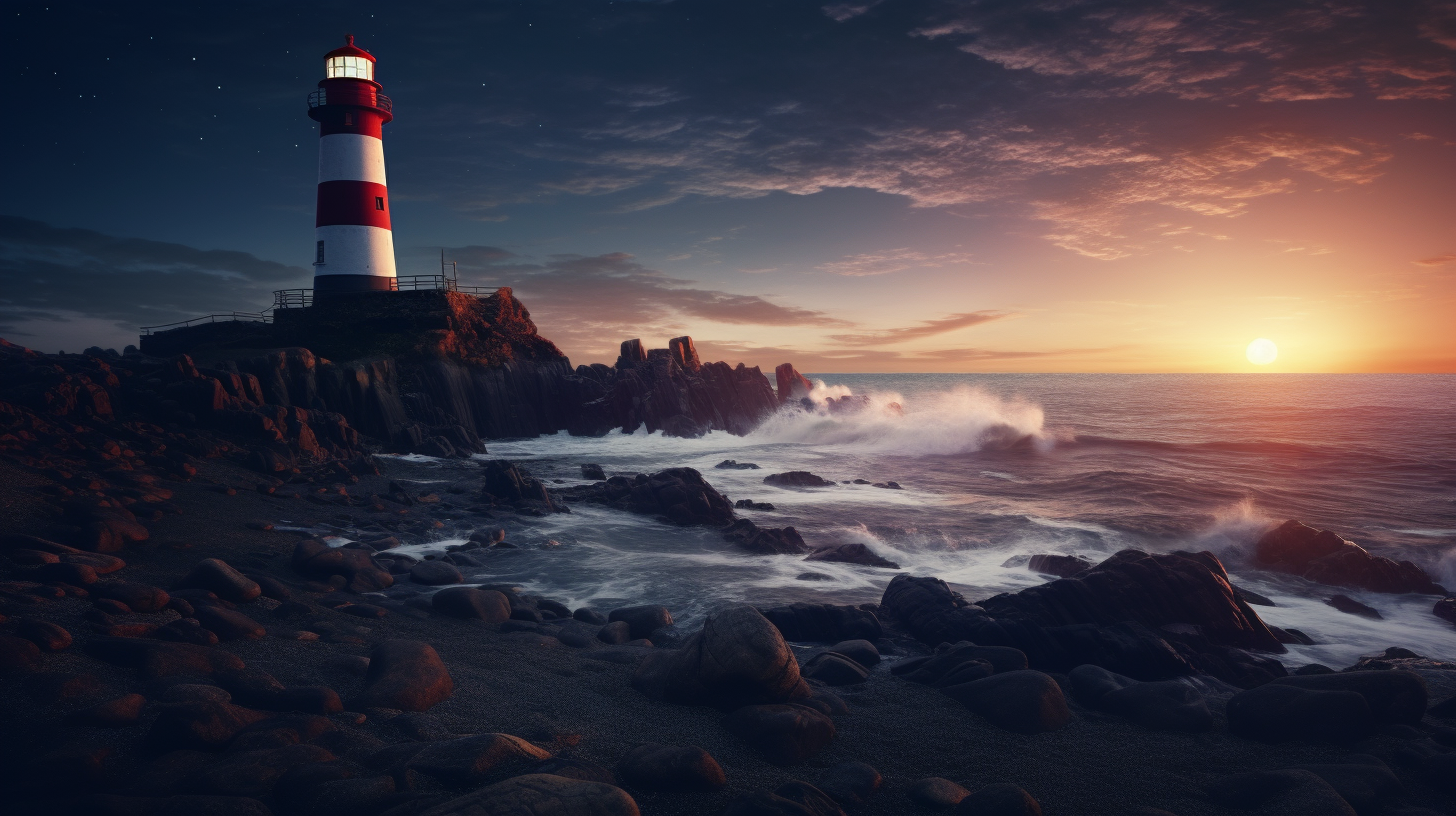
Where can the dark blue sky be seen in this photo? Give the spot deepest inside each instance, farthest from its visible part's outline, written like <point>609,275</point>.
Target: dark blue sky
<point>1042,184</point>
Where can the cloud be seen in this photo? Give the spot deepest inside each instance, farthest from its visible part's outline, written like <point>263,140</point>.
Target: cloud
<point>1206,49</point>
<point>51,274</point>
<point>1437,260</point>
<point>894,260</point>
<point>928,328</point>
<point>589,304</point>
<point>839,12</point>
<point>868,360</point>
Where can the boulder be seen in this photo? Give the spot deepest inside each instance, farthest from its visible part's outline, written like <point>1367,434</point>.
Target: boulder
<point>404,674</point>
<point>734,464</point>
<point>1278,712</point>
<point>962,662</point>
<point>738,657</point>
<point>765,540</point>
<point>47,636</point>
<point>139,597</point>
<point>824,623</point>
<point>1394,696</point>
<point>615,633</point>
<point>1350,606</point>
<point>1325,558</point>
<point>65,573</point>
<point>792,386</point>
<point>680,495</point>
<point>254,773</point>
<point>936,793</point>
<point>204,725</point>
<point>797,478</point>
<point>540,795</point>
<point>348,797</point>
<point>851,784</point>
<point>860,651</point>
<point>1166,705</point>
<point>1062,566</point>
<point>593,472</point>
<point>504,482</point>
<point>476,760</point>
<point>789,799</point>
<point>670,768</point>
<point>216,576</point>
<point>590,617</point>
<point>1445,609</point>
<point>469,603</point>
<point>1024,701</point>
<point>641,621</point>
<point>852,553</point>
<point>121,712</point>
<point>162,659</point>
<point>1000,799</point>
<point>1293,792</point>
<point>834,669</point>
<point>783,734</point>
<point>435,573</point>
<point>1363,781</point>
<point>186,630</point>
<point>228,624</point>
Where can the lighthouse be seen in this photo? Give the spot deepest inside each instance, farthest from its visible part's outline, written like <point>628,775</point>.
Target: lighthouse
<point>355,247</point>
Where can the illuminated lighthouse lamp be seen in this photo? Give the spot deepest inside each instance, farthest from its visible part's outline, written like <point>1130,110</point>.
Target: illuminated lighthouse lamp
<point>355,247</point>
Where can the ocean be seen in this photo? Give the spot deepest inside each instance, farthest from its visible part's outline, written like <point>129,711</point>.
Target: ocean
<point>996,466</point>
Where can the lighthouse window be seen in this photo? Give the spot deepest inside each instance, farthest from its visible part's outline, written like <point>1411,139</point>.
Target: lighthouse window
<point>349,68</point>
<point>379,202</point>
<point>319,253</point>
<point>349,119</point>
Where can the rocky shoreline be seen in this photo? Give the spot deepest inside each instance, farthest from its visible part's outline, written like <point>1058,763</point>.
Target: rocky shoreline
<point>215,665</point>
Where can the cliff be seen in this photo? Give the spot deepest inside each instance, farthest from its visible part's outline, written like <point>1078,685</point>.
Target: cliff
<point>435,371</point>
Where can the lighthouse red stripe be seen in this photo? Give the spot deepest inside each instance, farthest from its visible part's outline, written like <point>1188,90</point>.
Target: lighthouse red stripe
<point>352,202</point>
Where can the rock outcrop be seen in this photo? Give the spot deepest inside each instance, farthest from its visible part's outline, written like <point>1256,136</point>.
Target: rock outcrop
<point>680,495</point>
<point>1325,558</point>
<point>1146,616</point>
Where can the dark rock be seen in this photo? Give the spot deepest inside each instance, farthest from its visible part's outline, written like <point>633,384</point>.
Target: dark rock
<point>162,659</point>
<point>404,674</point>
<point>475,760</point>
<point>1025,701</point>
<point>1062,566</point>
<point>593,472</point>
<point>1278,712</point>
<point>797,478</point>
<point>732,464</point>
<point>1201,626</point>
<point>218,577</point>
<point>435,573</point>
<point>813,576</point>
<point>1394,696</point>
<point>738,657</point>
<point>349,797</point>
<point>507,483</point>
<point>1350,606</point>
<point>472,604</point>
<point>750,504</point>
<point>784,734</point>
<point>852,553</point>
<point>642,621</point>
<point>572,768</point>
<point>589,616</point>
<point>1294,791</point>
<point>792,386</point>
<point>254,773</point>
<point>962,662</point>
<point>790,799</point>
<point>186,630</point>
<point>1445,609</point>
<point>1251,597</point>
<point>139,597</point>
<point>765,540</point>
<point>229,624</point>
<point>1000,799</point>
<point>540,795</point>
<point>860,651</point>
<point>669,768</point>
<point>834,669</point>
<point>182,805</point>
<point>77,574</point>
<point>1312,668</point>
<point>194,693</point>
<point>1363,781</point>
<point>121,712</point>
<point>851,784</point>
<point>681,495</point>
<point>1325,558</point>
<point>1167,705</point>
<point>208,726</point>
<point>936,793</point>
<point>615,633</point>
<point>48,636</point>
<point>826,623</point>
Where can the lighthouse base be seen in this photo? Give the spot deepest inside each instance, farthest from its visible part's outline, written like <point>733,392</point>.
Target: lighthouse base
<point>341,284</point>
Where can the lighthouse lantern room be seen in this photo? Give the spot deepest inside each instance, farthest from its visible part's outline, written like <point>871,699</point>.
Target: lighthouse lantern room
<point>355,247</point>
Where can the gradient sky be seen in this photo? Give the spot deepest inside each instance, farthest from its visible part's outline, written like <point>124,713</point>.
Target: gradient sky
<point>873,185</point>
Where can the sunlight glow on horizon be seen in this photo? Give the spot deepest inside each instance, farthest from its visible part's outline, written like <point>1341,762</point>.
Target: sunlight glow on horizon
<point>1262,352</point>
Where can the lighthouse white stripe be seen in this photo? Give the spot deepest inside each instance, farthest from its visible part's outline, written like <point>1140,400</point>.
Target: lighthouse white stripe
<point>351,157</point>
<point>356,250</point>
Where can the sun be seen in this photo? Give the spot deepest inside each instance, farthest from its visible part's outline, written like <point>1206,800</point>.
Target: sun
<point>1262,352</point>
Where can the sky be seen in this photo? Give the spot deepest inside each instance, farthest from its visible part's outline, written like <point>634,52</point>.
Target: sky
<point>867,185</point>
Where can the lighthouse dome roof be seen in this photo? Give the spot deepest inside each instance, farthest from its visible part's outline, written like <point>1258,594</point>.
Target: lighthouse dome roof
<point>349,50</point>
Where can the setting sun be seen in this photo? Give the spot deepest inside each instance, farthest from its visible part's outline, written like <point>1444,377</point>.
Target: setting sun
<point>1262,352</point>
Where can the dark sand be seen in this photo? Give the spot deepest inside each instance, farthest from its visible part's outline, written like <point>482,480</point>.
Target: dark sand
<point>569,700</point>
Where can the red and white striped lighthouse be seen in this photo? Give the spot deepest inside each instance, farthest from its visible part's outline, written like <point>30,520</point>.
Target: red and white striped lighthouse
<point>355,250</point>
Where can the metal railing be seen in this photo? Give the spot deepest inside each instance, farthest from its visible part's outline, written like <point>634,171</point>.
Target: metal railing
<point>292,298</point>
<point>303,298</point>
<point>366,97</point>
<point>223,317</point>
